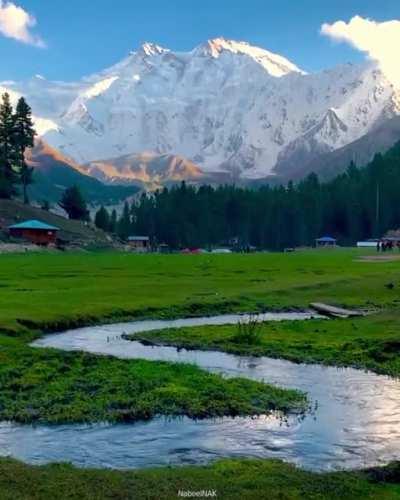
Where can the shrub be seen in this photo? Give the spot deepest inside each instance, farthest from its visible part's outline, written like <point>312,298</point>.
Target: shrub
<point>248,331</point>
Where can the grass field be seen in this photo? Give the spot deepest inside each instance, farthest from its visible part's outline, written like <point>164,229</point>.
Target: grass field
<point>230,479</point>
<point>47,292</point>
<point>54,290</point>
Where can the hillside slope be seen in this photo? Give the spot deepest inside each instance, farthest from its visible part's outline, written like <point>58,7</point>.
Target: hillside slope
<point>76,232</point>
<point>150,169</point>
<point>54,172</point>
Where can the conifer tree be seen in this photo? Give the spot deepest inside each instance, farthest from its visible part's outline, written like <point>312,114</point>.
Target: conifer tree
<point>24,135</point>
<point>113,221</point>
<point>45,205</point>
<point>124,223</point>
<point>102,219</point>
<point>8,153</point>
<point>74,204</point>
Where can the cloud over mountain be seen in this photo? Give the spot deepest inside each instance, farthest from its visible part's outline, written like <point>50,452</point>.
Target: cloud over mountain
<point>16,23</point>
<point>379,40</point>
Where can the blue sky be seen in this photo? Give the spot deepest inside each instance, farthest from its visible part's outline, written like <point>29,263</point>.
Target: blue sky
<point>84,37</point>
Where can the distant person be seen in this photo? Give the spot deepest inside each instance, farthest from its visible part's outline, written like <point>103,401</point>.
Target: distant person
<point>378,245</point>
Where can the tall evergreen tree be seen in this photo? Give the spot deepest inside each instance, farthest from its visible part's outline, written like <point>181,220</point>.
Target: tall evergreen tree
<point>74,204</point>
<point>102,219</point>
<point>45,205</point>
<point>24,136</point>
<point>8,151</point>
<point>124,226</point>
<point>113,221</point>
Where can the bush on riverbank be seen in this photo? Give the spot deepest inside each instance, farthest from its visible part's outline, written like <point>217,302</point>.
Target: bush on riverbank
<point>248,332</point>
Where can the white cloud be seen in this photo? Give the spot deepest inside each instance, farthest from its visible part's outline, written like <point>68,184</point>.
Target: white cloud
<point>15,22</point>
<point>379,40</point>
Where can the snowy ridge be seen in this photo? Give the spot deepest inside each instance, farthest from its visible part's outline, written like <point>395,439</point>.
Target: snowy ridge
<point>275,64</point>
<point>226,106</point>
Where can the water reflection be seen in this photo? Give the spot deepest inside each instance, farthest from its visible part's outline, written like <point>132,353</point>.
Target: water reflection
<point>356,421</point>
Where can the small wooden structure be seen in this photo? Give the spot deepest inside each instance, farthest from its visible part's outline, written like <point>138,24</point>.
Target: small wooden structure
<point>337,312</point>
<point>35,231</point>
<point>139,244</point>
<point>325,242</point>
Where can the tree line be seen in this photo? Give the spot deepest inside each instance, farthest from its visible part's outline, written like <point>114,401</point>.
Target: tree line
<point>357,204</point>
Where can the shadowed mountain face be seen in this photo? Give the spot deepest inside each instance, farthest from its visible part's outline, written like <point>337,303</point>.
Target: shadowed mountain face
<point>327,165</point>
<point>54,173</point>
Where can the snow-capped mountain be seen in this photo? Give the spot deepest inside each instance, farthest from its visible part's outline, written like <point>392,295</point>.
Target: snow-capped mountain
<point>226,106</point>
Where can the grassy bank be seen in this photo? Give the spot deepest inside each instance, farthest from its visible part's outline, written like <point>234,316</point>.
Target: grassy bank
<point>44,385</point>
<point>371,342</point>
<point>231,480</point>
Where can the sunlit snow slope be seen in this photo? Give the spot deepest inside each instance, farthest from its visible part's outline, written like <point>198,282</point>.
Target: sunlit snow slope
<point>225,106</point>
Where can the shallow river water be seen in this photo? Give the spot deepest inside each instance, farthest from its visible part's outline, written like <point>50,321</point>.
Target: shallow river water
<point>355,420</point>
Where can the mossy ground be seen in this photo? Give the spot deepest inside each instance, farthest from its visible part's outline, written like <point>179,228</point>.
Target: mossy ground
<point>48,386</point>
<point>230,479</point>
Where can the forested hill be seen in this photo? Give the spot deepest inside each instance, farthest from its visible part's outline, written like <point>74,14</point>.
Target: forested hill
<point>53,173</point>
<point>360,203</point>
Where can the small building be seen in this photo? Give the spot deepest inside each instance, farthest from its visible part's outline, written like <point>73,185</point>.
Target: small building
<point>35,231</point>
<point>371,243</point>
<point>139,243</point>
<point>325,242</point>
<point>164,248</point>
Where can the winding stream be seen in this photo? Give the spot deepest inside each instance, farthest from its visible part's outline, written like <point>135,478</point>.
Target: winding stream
<point>356,422</point>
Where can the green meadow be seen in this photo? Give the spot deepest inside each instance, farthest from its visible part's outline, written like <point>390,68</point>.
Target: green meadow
<point>48,291</point>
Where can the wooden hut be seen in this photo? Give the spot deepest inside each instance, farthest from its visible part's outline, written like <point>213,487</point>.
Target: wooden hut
<point>35,231</point>
<point>139,243</point>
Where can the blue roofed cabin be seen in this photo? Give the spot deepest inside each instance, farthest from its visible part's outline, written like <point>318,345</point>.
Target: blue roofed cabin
<point>35,231</point>
<point>325,242</point>
<point>139,244</point>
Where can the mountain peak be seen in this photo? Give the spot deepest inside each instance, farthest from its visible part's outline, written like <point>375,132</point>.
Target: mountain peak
<point>215,46</point>
<point>275,64</point>
<point>152,49</point>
